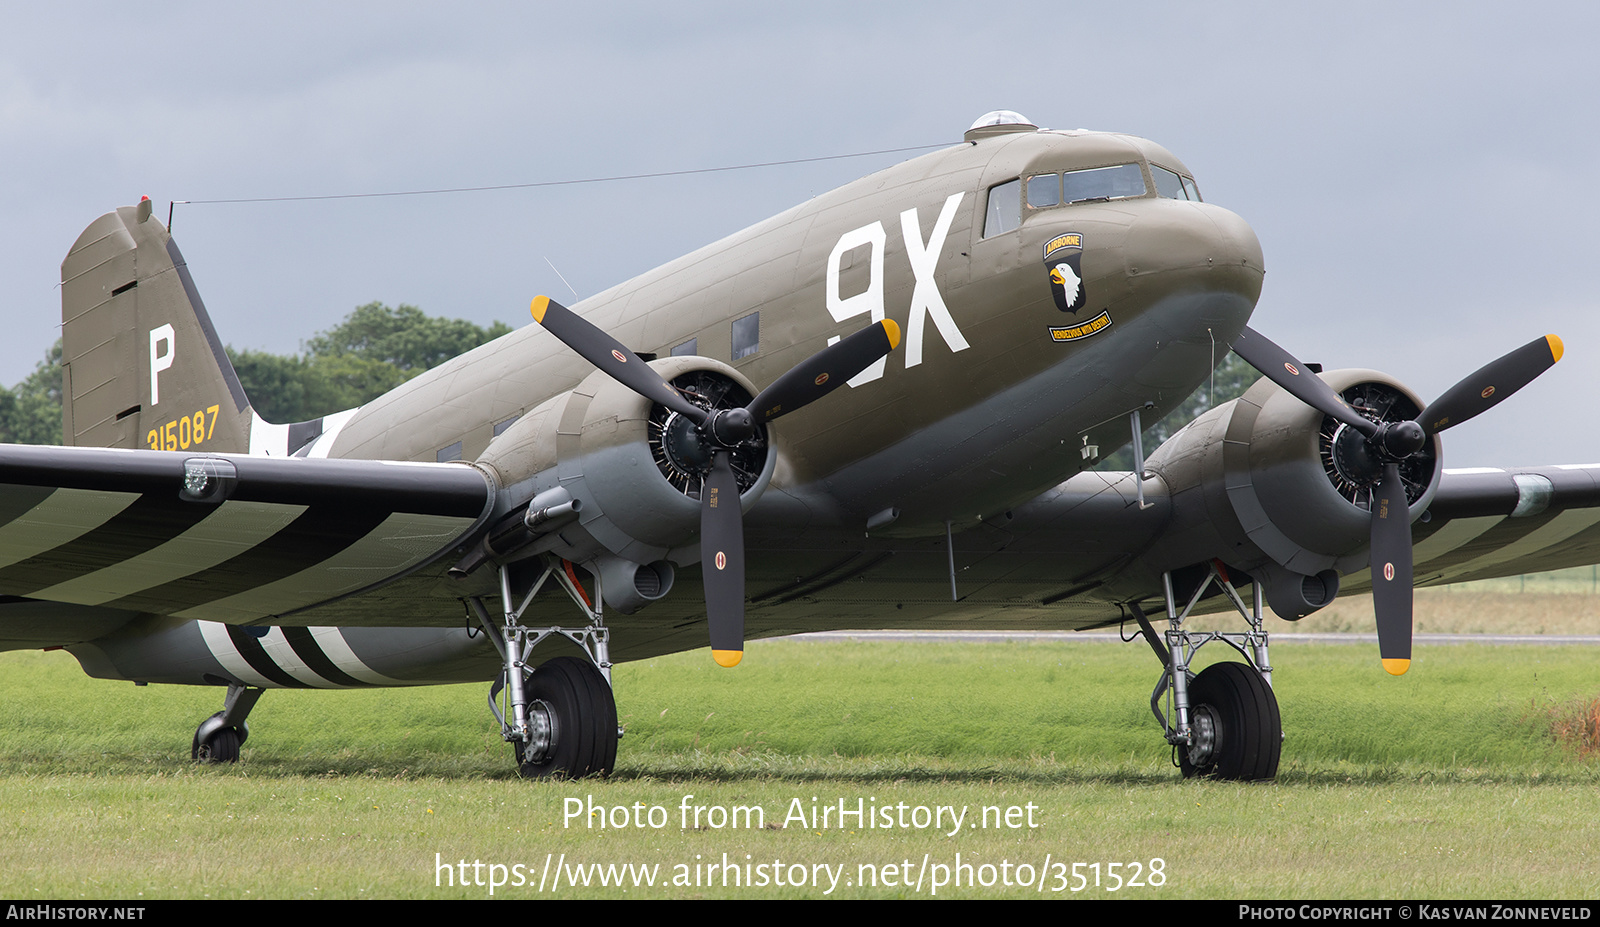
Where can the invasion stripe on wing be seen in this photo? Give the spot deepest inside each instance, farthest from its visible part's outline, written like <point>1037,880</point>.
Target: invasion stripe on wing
<point>147,523</point>
<point>1503,532</point>
<point>1488,545</point>
<point>1552,532</point>
<point>38,519</point>
<point>392,548</point>
<point>240,562</point>
<point>1455,543</point>
<point>310,539</point>
<point>232,529</point>
<point>1456,533</point>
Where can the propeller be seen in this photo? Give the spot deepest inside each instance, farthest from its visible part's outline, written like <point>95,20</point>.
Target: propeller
<point>719,432</point>
<point>1381,447</point>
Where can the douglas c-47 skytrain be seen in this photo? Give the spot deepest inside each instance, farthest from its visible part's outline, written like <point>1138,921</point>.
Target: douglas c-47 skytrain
<point>875,410</point>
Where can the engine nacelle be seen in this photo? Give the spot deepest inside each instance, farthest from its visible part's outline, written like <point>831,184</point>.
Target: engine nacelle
<point>630,470</point>
<point>1273,487</point>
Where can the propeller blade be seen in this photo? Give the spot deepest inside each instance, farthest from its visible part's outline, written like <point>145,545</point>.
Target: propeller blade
<point>1282,368</point>
<point>1394,442</point>
<point>1491,384</point>
<point>722,560</point>
<point>1391,570</point>
<point>825,371</point>
<point>608,354</point>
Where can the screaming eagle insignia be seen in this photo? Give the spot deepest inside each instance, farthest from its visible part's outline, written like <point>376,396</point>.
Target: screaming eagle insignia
<point>1062,258</point>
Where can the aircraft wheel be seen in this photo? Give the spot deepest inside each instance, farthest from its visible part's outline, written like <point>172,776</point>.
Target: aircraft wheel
<point>574,717</point>
<point>1238,733</point>
<point>220,745</point>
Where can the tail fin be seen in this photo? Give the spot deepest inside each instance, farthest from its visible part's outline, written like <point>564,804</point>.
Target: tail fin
<point>142,366</point>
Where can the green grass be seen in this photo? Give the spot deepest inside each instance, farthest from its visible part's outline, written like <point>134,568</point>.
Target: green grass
<point>1448,782</point>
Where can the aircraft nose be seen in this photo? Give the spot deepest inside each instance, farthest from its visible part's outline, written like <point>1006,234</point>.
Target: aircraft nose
<point>1186,243</point>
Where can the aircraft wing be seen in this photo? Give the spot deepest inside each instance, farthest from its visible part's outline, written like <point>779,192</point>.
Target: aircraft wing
<point>1488,522</point>
<point>113,530</point>
<point>227,538</point>
<point>1481,523</point>
<point>1075,556</point>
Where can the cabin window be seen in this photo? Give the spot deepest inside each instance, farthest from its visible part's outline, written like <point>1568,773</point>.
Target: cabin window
<point>453,452</point>
<point>1044,190</point>
<point>746,335</point>
<point>500,429</point>
<point>688,348</point>
<point>1103,183</point>
<point>1004,211</point>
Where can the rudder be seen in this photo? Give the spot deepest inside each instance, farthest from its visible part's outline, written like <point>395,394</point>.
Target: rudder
<point>142,366</point>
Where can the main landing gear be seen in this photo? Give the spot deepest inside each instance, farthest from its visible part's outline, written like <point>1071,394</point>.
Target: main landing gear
<point>560,717</point>
<point>1224,722</point>
<point>219,737</point>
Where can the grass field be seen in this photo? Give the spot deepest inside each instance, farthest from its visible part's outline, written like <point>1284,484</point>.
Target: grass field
<point>1466,778</point>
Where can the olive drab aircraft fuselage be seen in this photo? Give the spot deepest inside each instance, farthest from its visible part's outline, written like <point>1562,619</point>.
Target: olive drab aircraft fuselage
<point>878,409</point>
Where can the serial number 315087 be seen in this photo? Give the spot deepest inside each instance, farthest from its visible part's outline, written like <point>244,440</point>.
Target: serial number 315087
<point>184,433</point>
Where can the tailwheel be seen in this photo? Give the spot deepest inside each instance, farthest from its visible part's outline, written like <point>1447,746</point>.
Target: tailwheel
<point>218,737</point>
<point>572,718</point>
<point>216,743</point>
<point>1237,732</point>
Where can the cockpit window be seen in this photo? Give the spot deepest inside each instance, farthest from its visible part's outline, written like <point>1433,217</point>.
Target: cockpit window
<point>1120,181</point>
<point>1004,211</point>
<point>1098,183</point>
<point>1044,190</point>
<point>1168,184</point>
<point>1173,186</point>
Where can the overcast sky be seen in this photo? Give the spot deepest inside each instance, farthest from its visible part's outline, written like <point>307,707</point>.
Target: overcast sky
<point>1410,170</point>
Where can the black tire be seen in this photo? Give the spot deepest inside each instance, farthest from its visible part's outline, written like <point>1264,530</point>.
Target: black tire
<point>220,747</point>
<point>583,720</point>
<point>1243,715</point>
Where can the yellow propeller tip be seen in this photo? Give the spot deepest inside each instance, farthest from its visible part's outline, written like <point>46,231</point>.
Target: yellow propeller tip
<point>540,304</point>
<point>1555,347</point>
<point>892,329</point>
<point>1396,667</point>
<point>727,657</point>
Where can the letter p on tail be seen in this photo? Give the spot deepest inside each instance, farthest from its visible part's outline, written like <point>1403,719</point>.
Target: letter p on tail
<point>159,359</point>
<point>128,308</point>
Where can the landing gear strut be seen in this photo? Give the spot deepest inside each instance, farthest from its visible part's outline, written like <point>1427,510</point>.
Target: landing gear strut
<point>561,717</point>
<point>219,737</point>
<point>1224,722</point>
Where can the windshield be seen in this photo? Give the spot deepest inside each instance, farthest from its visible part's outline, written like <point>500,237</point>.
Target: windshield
<point>1107,183</point>
<point>1096,183</point>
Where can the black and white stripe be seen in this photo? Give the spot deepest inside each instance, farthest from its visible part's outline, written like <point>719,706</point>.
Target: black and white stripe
<point>105,527</point>
<point>290,658</point>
